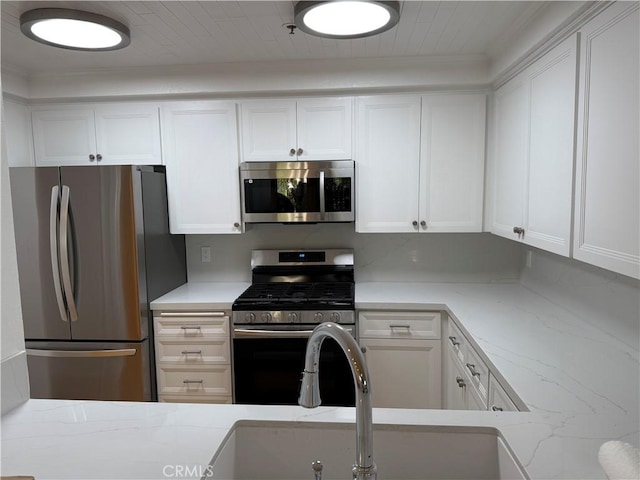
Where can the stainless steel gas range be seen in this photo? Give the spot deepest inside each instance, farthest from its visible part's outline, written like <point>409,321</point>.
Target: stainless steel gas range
<point>292,291</point>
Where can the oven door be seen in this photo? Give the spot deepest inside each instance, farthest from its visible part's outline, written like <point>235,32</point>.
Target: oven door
<point>297,192</point>
<point>268,367</point>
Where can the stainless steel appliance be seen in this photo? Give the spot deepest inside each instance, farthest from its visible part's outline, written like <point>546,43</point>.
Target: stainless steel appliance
<point>292,291</point>
<point>284,192</point>
<point>93,249</point>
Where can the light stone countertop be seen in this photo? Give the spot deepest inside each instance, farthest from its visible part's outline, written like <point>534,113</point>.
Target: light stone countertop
<point>580,381</point>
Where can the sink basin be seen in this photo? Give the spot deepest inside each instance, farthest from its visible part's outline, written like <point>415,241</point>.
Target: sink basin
<point>256,450</point>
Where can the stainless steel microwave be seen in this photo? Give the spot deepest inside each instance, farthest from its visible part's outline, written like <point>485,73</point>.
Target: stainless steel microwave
<point>292,192</point>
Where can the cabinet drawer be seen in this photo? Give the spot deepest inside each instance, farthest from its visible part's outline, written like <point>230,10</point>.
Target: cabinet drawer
<point>191,324</point>
<point>195,399</point>
<point>194,380</point>
<point>406,325</point>
<point>498,398</point>
<point>478,372</point>
<point>193,352</point>
<point>456,341</point>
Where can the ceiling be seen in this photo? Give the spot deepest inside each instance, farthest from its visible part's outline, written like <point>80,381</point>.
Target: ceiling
<point>209,32</point>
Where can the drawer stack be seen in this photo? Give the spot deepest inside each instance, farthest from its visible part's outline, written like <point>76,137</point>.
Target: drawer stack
<point>469,382</point>
<point>193,356</point>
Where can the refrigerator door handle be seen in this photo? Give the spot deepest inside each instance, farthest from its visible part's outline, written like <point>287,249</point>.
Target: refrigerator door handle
<point>123,352</point>
<point>53,243</point>
<point>64,253</point>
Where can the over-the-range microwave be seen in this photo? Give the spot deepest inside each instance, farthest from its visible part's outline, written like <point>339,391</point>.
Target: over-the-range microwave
<point>293,192</point>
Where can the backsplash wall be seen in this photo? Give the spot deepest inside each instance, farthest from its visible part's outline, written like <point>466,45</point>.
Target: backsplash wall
<point>454,257</point>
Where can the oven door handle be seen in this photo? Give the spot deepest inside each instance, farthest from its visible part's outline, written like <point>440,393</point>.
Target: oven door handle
<point>253,333</point>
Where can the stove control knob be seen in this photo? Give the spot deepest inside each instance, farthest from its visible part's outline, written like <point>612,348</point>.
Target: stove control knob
<point>250,317</point>
<point>292,317</point>
<point>335,317</point>
<point>266,317</point>
<point>318,317</point>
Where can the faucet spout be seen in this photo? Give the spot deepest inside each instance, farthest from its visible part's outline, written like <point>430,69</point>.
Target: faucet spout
<point>364,468</point>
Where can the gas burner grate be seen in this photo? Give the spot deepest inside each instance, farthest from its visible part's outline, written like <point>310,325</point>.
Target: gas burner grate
<point>291,293</point>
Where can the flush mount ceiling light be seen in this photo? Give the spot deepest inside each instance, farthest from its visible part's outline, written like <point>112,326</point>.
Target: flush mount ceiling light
<point>346,18</point>
<point>74,29</point>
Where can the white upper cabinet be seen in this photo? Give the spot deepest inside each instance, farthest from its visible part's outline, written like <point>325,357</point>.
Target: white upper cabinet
<point>297,130</point>
<point>452,163</point>
<point>97,135</point>
<point>420,163</point>
<point>534,119</point>
<point>607,198</point>
<point>387,163</point>
<point>200,143</point>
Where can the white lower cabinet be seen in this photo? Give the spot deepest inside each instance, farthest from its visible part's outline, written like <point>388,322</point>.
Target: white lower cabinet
<point>403,353</point>
<point>193,357</point>
<point>468,383</point>
<point>499,400</point>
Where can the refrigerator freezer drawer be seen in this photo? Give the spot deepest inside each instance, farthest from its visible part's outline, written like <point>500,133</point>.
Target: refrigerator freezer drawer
<point>89,371</point>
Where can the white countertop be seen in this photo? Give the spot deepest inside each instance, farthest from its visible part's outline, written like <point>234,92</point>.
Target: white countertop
<point>580,382</point>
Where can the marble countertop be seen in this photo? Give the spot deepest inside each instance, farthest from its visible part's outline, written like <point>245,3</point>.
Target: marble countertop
<point>581,382</point>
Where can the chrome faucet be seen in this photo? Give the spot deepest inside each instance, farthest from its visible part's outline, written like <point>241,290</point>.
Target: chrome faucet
<point>364,468</point>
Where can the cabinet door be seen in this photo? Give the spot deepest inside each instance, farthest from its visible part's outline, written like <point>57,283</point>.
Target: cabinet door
<point>404,373</point>
<point>607,198</point>
<point>200,145</point>
<point>64,137</point>
<point>510,155</point>
<point>552,85</point>
<point>452,163</point>
<point>324,129</point>
<point>455,383</point>
<point>17,133</point>
<point>269,130</point>
<point>128,134</point>
<point>387,163</point>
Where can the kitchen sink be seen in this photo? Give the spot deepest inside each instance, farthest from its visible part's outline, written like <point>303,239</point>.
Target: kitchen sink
<point>260,450</point>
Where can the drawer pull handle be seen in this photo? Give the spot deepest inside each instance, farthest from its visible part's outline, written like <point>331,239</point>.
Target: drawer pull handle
<point>460,382</point>
<point>193,381</point>
<point>192,314</point>
<point>191,327</point>
<point>408,327</point>
<point>454,341</point>
<point>472,369</point>
<point>496,408</point>
<point>192,352</point>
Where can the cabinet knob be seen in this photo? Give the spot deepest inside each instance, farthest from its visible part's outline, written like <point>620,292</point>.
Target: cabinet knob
<point>414,223</point>
<point>460,382</point>
<point>423,224</point>
<point>300,151</point>
<point>292,152</point>
<point>92,157</point>
<point>518,230</point>
<point>363,349</point>
<point>98,157</point>
<point>236,225</point>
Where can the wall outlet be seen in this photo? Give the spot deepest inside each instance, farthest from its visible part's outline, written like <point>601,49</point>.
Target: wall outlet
<point>205,254</point>
<point>527,261</point>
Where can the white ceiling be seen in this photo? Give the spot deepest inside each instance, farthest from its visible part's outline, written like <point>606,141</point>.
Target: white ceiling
<point>210,32</point>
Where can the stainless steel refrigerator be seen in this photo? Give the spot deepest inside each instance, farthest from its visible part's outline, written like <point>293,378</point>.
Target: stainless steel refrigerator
<point>93,249</point>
